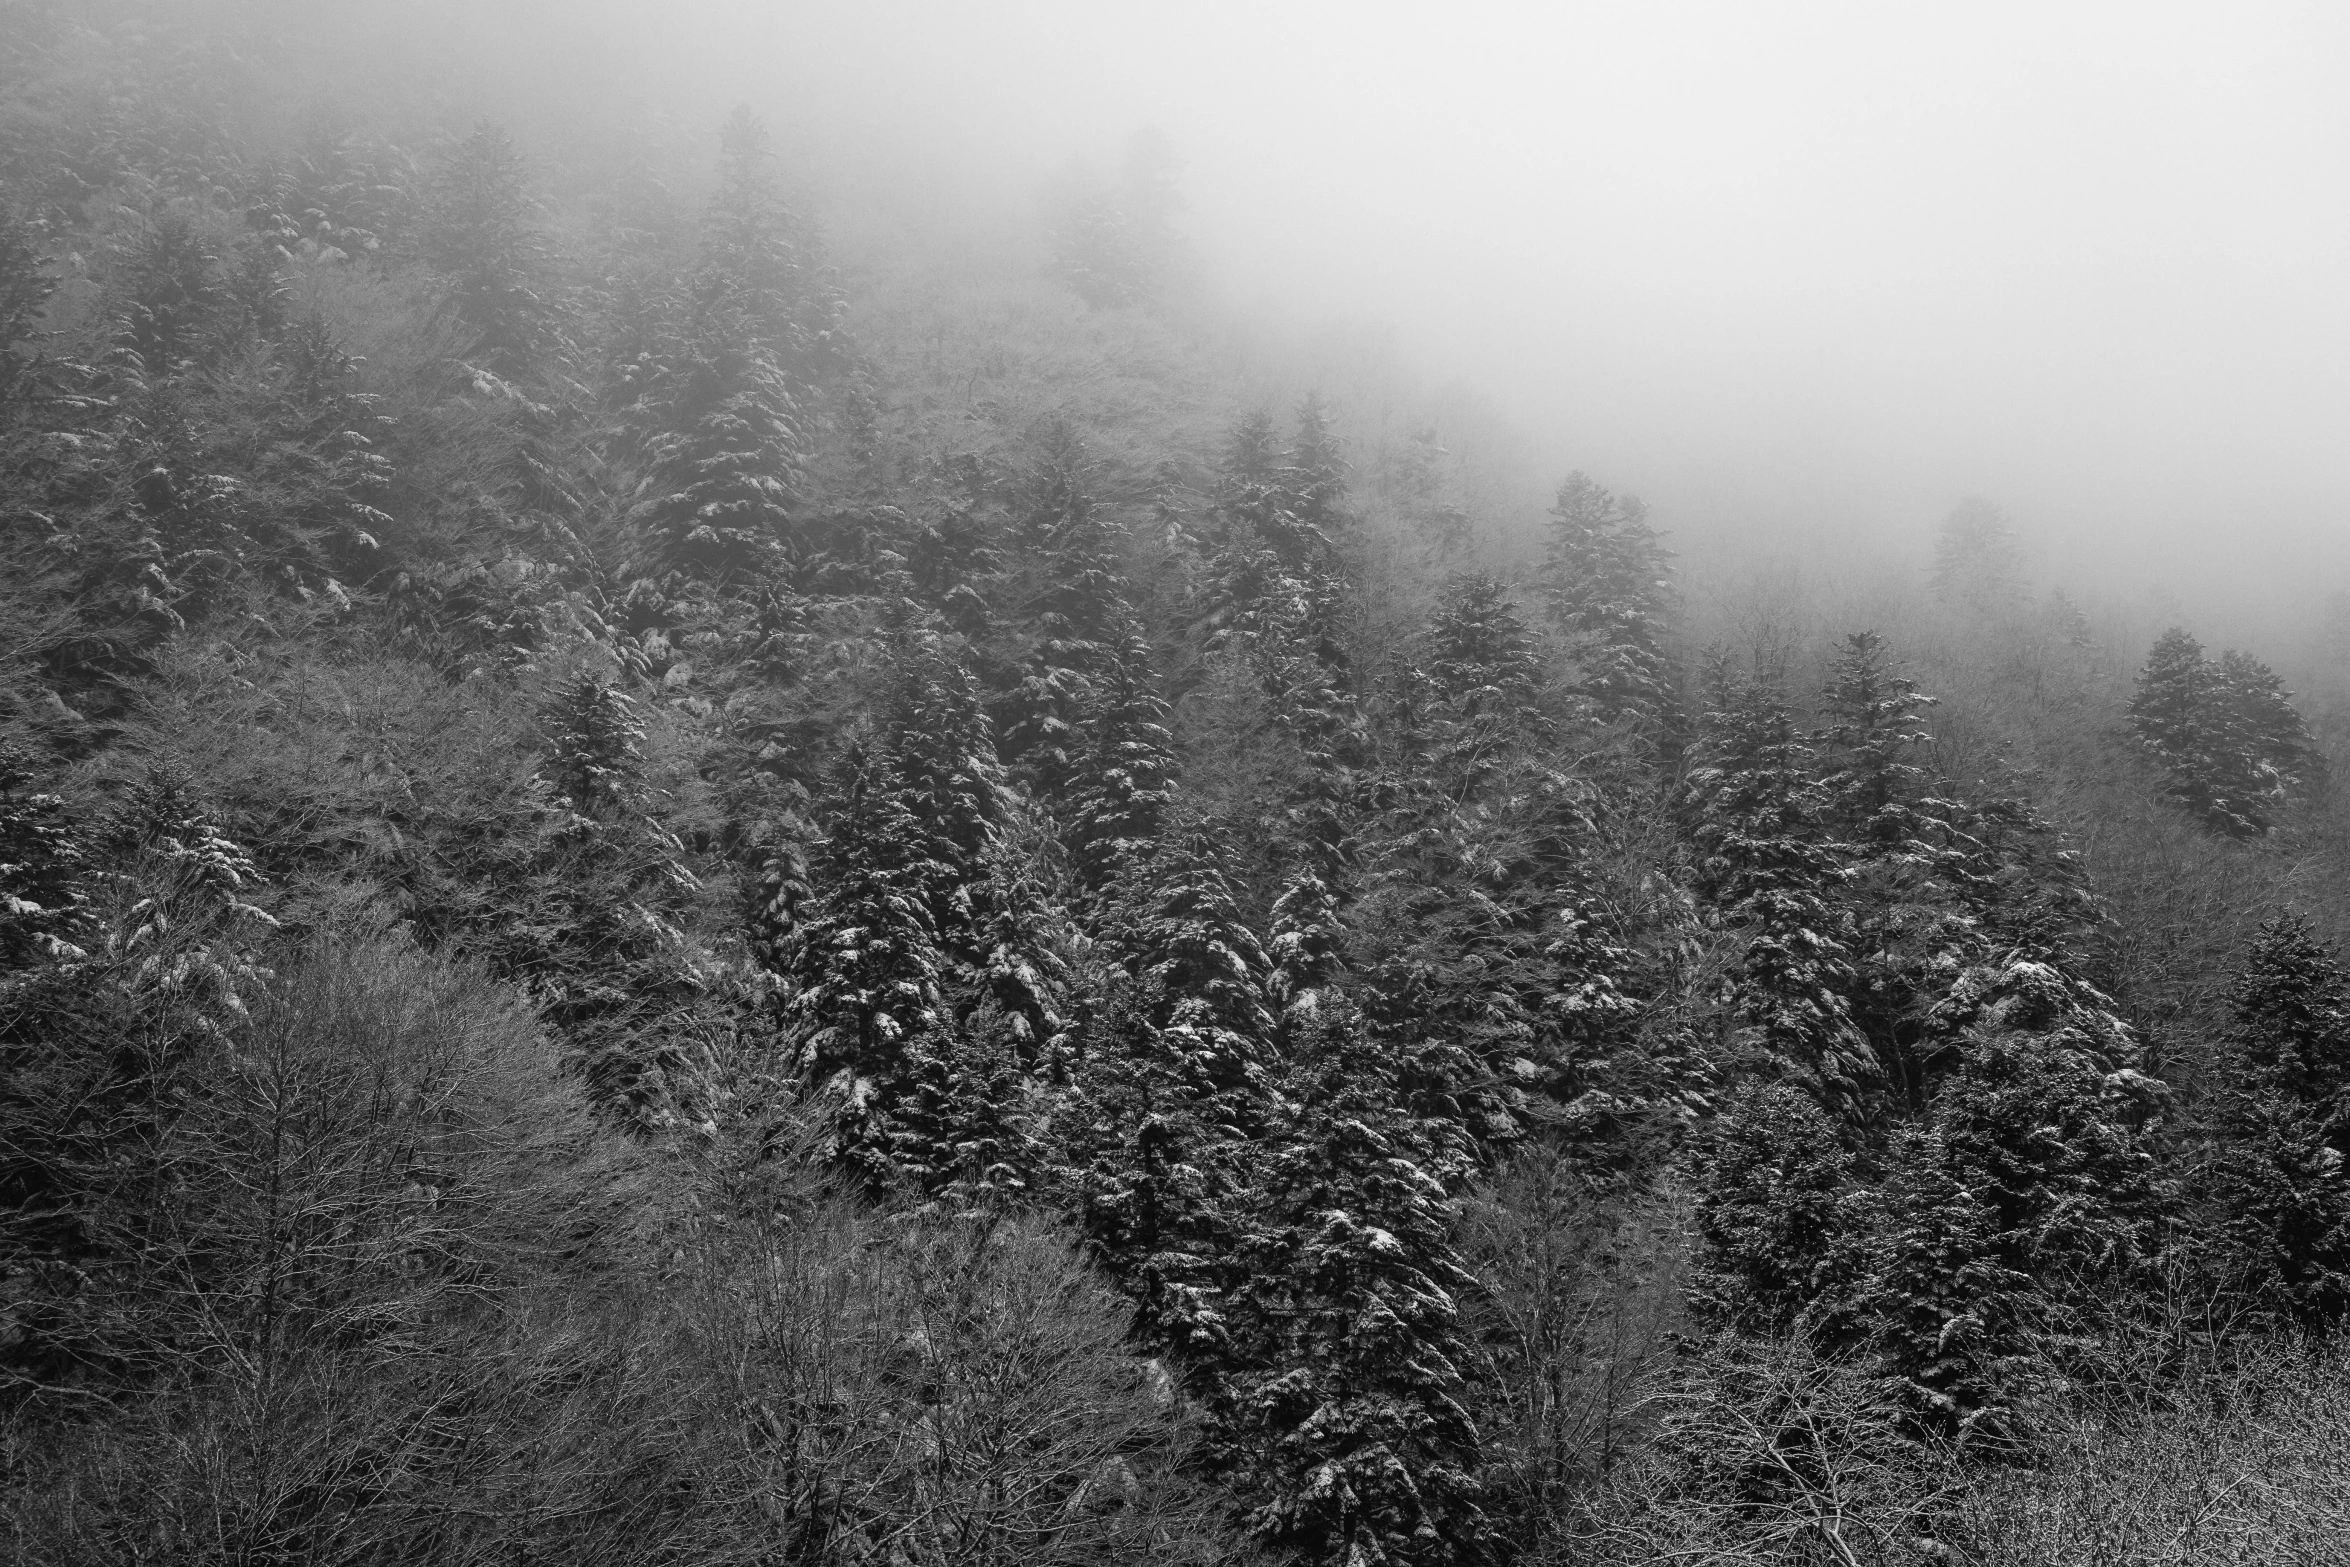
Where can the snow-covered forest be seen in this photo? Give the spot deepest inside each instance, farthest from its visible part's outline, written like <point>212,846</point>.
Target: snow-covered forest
<point>679,890</point>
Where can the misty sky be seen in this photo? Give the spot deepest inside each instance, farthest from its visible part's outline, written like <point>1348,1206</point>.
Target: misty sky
<point>1779,266</point>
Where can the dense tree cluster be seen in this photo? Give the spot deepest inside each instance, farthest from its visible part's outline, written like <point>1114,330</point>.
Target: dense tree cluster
<point>769,973</point>
<point>2231,745</point>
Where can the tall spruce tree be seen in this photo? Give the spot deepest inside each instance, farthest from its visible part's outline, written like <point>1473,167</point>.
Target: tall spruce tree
<point>2276,1171</point>
<point>2232,747</point>
<point>1347,1424</point>
<point>1767,864</point>
<point>1607,574</point>
<point>481,234</point>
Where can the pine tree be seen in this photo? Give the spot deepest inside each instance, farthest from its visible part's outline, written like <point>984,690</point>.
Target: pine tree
<point>750,252</point>
<point>1772,1214</point>
<point>1912,870</point>
<point>1976,563</point>
<point>2173,691</point>
<point>2276,1173</point>
<point>1158,1151</point>
<point>43,893</point>
<point>1347,1426</point>
<point>1949,1313</point>
<point>1606,574</point>
<point>2291,1017</point>
<point>2268,748</point>
<point>864,958</point>
<point>1767,865</point>
<point>481,236</point>
<point>1124,789</point>
<point>722,443</point>
<point>595,744</point>
<point>172,295</point>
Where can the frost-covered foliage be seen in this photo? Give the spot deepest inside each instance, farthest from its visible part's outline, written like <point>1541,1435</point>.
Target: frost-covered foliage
<point>2232,747</point>
<point>634,926</point>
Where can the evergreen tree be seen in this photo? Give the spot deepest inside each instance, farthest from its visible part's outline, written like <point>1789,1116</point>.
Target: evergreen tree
<point>2276,1173</point>
<point>480,234</point>
<point>1606,574</point>
<point>1157,1142</point>
<point>1347,1424</point>
<point>2048,1142</point>
<point>955,1132</point>
<point>596,746</point>
<point>1772,1215</point>
<point>2230,742</point>
<point>1481,656</point>
<point>864,958</point>
<point>340,473</point>
<point>2291,1010</point>
<point>2174,689</point>
<point>1124,788</point>
<point>1767,865</point>
<point>172,294</point>
<point>750,254</point>
<point>2262,736</point>
<point>1950,1314</point>
<point>43,894</point>
<point>1071,614</point>
<point>1977,566</point>
<point>722,443</point>
<point>1875,793</point>
<point>1913,871</point>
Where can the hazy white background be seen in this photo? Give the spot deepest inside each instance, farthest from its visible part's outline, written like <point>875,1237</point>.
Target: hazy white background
<point>1792,270</point>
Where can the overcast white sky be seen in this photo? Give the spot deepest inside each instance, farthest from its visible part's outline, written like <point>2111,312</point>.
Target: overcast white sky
<point>1776,265</point>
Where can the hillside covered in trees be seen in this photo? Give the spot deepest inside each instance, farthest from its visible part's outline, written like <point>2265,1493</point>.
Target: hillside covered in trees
<point>667,895</point>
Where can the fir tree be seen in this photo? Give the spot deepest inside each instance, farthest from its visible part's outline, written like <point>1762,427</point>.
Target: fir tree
<point>1348,1425</point>
<point>2291,1017</point>
<point>43,892</point>
<point>1176,925</point>
<point>1158,1156</point>
<point>596,746</point>
<point>1949,1313</point>
<point>1772,1214</point>
<point>1481,655</point>
<point>481,236</point>
<point>2261,734</point>
<point>173,292</point>
<point>1911,868</point>
<point>2173,692</point>
<point>1874,791</point>
<point>1976,563</point>
<point>864,958</point>
<point>1125,786</point>
<point>2003,1239</point>
<point>1606,574</point>
<point>750,254</point>
<point>2276,1173</point>
<point>1767,864</point>
<point>722,444</point>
